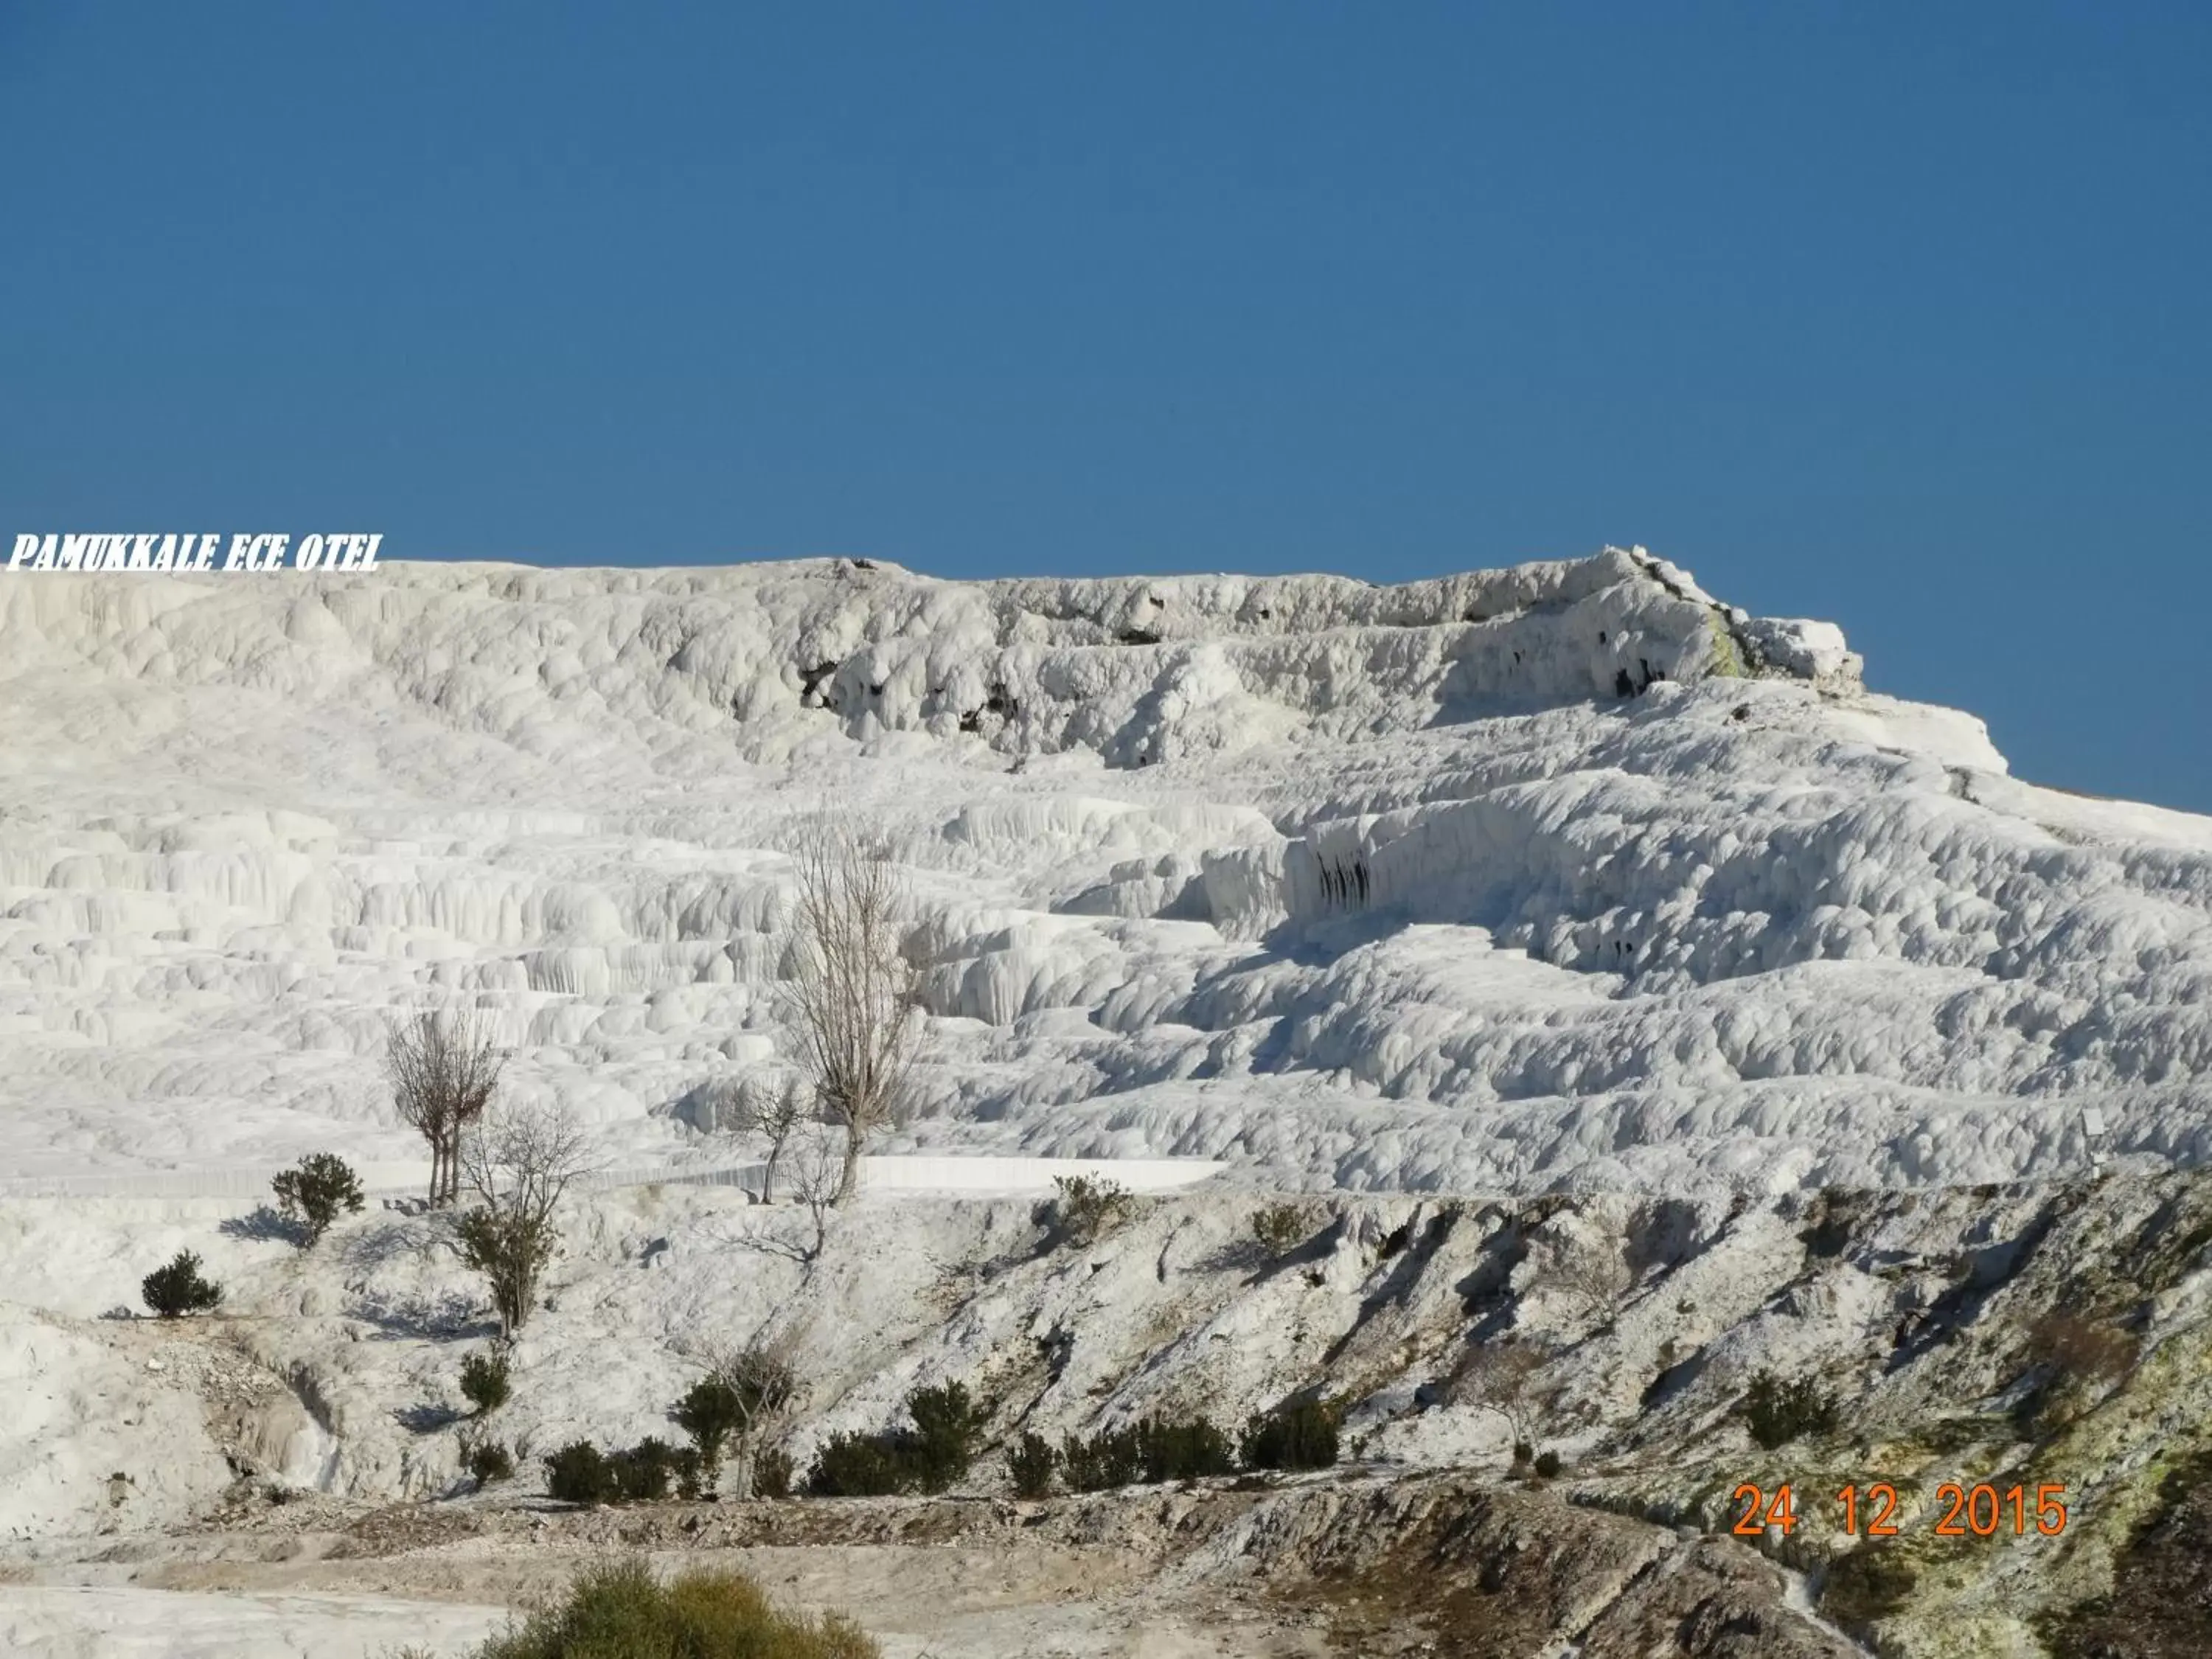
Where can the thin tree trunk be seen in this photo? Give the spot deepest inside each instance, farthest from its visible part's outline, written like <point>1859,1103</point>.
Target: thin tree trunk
<point>848,1179</point>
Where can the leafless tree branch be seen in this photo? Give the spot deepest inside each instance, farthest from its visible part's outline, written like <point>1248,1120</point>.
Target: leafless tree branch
<point>855,995</point>
<point>444,1072</point>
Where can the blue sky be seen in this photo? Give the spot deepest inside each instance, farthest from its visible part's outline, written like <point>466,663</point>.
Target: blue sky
<point>1891,314</point>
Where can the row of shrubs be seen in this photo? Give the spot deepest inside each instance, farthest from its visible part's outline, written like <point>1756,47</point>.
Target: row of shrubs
<point>1303,1435</point>
<point>937,1451</point>
<point>579,1472</point>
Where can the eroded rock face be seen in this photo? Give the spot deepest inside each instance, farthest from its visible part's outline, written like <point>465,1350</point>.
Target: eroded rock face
<point>1714,1598</point>
<point>2057,1335</point>
<point>1472,1570</point>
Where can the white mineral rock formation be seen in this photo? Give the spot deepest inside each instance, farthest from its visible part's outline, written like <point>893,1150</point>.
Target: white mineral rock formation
<point>1560,875</point>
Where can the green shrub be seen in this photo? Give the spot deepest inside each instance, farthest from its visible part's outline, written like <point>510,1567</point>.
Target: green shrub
<point>1547,1465</point>
<point>772,1473</point>
<point>690,1485</point>
<point>512,1249</point>
<point>484,1383</point>
<point>857,1466</point>
<point>487,1460</point>
<point>1031,1465</point>
<point>178,1289</point>
<point>710,1411</point>
<point>1523,1454</point>
<point>1186,1448</point>
<point>735,1404</point>
<point>642,1474</point>
<point>316,1191</point>
<point>621,1611</point>
<point>943,1444</point>
<point>1302,1435</point>
<point>1777,1411</point>
<point>579,1473</point>
<point>1152,1449</point>
<point>1109,1458</point>
<point>1088,1207</point>
<point>1281,1228</point>
<point>933,1455</point>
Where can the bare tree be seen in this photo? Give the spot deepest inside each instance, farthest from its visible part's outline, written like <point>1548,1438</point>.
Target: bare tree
<point>518,1162</point>
<point>753,1105</point>
<point>855,997</point>
<point>780,1113</point>
<point>1592,1276</point>
<point>444,1072</point>
<point>819,1169</point>
<point>1496,1377</point>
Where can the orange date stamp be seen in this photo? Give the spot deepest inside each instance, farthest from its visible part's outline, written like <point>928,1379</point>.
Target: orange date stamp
<point>1981,1510</point>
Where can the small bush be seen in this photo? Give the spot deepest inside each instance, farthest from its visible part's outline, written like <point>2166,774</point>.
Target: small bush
<point>710,1411</point>
<point>1523,1454</point>
<point>1109,1458</point>
<point>933,1455</point>
<point>1031,1465</point>
<point>579,1473</point>
<point>1188,1449</point>
<point>642,1474</point>
<point>484,1382</point>
<point>1152,1449</point>
<point>772,1473</point>
<point>316,1192</point>
<point>856,1466</point>
<point>178,1289</point>
<point>704,1613</point>
<point>1299,1435</point>
<point>1281,1228</point>
<point>689,1471</point>
<point>487,1460</point>
<point>1087,1208</point>
<point>512,1249</point>
<point>736,1404</point>
<point>943,1445</point>
<point>1547,1465</point>
<point>1778,1412</point>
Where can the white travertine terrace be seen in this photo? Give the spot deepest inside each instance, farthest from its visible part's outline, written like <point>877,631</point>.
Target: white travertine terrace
<point>1566,873</point>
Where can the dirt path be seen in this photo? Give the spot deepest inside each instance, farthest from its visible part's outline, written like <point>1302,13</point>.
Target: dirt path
<point>1004,1600</point>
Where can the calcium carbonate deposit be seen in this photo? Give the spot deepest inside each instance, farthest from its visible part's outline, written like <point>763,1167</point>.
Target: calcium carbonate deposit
<point>1564,875</point>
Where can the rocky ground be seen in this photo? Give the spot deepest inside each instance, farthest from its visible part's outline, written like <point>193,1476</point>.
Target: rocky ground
<point>2039,1337</point>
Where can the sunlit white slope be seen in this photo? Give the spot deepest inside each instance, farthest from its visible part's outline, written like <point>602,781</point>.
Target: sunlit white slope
<point>1566,872</point>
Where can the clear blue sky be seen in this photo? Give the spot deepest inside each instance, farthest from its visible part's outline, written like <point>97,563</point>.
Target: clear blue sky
<point>1894,314</point>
